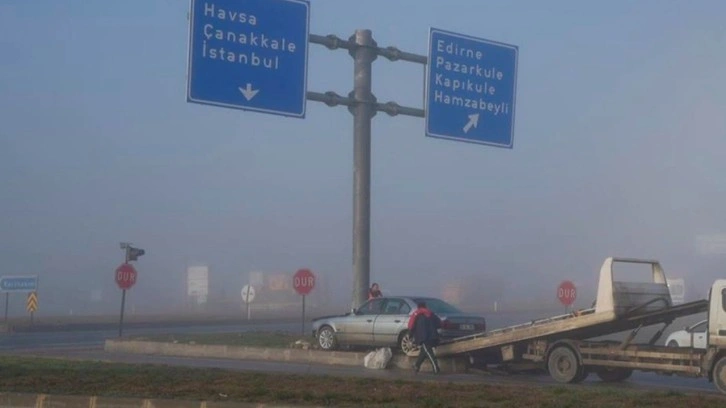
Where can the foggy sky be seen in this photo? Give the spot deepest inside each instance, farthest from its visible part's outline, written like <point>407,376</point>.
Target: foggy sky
<point>618,150</point>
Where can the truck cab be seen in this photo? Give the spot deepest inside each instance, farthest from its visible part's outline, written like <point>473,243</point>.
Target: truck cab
<point>717,315</point>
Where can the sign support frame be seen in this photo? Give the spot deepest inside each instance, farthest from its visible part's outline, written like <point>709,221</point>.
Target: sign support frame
<point>363,48</point>
<point>363,105</point>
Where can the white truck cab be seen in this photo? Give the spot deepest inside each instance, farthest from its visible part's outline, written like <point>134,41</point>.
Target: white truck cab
<point>717,315</point>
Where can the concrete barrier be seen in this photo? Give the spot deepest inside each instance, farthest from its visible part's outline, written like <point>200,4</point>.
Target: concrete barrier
<point>10,400</point>
<point>345,358</point>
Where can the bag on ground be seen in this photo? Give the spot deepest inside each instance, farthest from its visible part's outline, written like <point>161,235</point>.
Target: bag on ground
<point>378,359</point>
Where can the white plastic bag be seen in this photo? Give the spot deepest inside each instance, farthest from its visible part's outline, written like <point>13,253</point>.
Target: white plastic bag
<point>378,359</point>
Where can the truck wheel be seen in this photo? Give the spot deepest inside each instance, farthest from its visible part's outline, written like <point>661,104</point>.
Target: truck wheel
<point>614,374</point>
<point>719,374</point>
<point>563,365</point>
<point>584,372</point>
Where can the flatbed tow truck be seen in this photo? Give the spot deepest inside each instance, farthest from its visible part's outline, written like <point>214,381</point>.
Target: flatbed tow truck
<point>564,345</point>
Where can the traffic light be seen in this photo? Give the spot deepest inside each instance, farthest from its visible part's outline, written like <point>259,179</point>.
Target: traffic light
<point>133,254</point>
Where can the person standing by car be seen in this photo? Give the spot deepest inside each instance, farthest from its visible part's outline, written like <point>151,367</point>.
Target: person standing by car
<point>423,325</point>
<point>374,291</point>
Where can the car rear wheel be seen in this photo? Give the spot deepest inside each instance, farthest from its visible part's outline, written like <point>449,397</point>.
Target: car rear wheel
<point>407,345</point>
<point>326,338</point>
<point>672,343</point>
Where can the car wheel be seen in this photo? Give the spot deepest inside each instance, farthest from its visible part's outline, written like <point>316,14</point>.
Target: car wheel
<point>407,345</point>
<point>672,343</point>
<point>326,338</point>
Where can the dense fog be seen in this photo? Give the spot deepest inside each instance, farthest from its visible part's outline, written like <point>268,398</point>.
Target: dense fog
<point>619,137</point>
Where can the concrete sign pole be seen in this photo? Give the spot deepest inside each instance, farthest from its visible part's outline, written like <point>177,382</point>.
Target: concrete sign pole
<point>363,105</point>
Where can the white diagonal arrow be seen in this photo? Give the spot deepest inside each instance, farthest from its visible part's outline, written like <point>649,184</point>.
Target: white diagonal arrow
<point>248,92</point>
<point>473,122</point>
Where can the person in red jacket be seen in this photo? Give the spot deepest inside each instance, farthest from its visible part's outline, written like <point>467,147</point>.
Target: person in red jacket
<point>423,326</point>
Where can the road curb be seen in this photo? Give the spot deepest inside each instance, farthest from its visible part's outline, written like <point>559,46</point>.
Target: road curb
<point>345,358</point>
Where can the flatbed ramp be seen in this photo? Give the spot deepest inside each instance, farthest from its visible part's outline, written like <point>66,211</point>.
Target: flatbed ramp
<point>578,326</point>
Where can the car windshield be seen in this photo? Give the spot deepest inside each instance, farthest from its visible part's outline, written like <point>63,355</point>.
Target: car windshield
<point>438,306</point>
<point>698,327</point>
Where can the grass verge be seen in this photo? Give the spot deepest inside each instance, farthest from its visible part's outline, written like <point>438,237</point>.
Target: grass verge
<point>62,377</point>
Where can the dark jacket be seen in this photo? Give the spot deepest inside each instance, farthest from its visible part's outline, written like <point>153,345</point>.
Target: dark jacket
<point>423,325</point>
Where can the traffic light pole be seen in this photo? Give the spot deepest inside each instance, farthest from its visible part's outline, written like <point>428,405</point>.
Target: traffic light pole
<point>363,105</point>
<point>123,300</point>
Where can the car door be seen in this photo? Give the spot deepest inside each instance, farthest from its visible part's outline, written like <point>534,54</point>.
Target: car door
<point>698,335</point>
<point>360,327</point>
<point>391,322</point>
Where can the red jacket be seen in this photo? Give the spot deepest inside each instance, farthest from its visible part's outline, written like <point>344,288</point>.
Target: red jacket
<point>423,325</point>
<point>426,312</point>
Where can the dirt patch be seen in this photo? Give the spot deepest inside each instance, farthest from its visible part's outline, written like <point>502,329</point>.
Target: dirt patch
<point>34,375</point>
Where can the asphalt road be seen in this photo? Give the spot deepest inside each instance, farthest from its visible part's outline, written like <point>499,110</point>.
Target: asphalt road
<point>89,345</point>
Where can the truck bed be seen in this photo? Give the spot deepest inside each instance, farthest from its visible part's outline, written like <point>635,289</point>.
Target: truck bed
<point>579,326</point>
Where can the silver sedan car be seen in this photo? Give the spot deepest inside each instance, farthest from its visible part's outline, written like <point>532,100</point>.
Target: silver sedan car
<point>383,322</point>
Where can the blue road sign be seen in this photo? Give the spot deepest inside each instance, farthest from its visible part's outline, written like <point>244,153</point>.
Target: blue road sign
<point>249,54</point>
<point>471,88</point>
<point>18,283</point>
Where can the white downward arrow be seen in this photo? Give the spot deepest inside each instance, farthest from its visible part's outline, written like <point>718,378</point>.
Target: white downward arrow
<point>473,122</point>
<point>248,92</point>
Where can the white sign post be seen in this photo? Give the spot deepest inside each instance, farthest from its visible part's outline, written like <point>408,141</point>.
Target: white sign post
<point>198,283</point>
<point>248,295</point>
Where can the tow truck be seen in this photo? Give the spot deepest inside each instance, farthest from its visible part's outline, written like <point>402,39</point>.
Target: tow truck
<point>567,348</point>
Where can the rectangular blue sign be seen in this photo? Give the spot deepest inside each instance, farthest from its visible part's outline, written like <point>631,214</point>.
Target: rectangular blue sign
<point>249,54</point>
<point>471,88</point>
<point>18,283</point>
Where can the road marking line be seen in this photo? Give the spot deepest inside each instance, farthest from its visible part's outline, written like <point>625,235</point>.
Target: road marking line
<point>40,401</point>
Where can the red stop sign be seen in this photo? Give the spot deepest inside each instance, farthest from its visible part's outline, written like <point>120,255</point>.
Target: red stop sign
<point>125,276</point>
<point>566,293</point>
<point>303,281</point>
